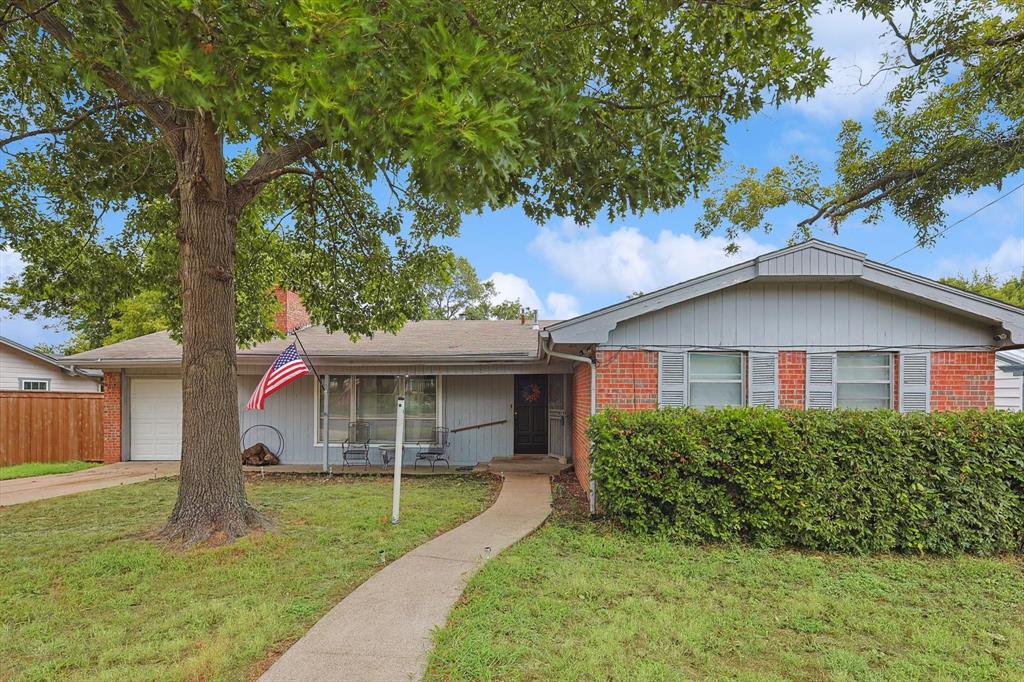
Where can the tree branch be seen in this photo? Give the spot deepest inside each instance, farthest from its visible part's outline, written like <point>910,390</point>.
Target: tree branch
<point>56,130</point>
<point>159,111</point>
<point>270,165</point>
<point>9,21</point>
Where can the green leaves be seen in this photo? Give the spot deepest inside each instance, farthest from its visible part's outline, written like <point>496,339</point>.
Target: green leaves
<point>952,124</point>
<point>848,481</point>
<point>568,108</point>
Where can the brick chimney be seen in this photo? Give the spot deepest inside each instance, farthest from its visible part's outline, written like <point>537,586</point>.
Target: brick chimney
<point>292,314</point>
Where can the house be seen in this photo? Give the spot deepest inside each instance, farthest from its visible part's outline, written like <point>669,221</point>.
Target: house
<point>810,326</point>
<point>25,369</point>
<point>1010,380</point>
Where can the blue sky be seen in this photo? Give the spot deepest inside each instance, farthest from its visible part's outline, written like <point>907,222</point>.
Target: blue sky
<point>565,269</point>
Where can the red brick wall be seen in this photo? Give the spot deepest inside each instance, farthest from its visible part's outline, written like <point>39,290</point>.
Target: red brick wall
<point>963,380</point>
<point>627,380</point>
<point>292,314</point>
<point>111,417</point>
<point>580,419</point>
<point>793,379</point>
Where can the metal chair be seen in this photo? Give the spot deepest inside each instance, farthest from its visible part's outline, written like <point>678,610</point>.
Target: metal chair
<point>436,450</point>
<point>356,448</point>
<point>387,455</point>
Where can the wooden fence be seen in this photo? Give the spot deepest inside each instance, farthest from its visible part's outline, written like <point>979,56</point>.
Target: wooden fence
<point>50,426</point>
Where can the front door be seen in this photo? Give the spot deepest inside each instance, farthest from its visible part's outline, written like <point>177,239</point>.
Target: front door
<point>531,414</point>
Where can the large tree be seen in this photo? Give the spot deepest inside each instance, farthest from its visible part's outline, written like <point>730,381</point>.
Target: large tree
<point>952,123</point>
<point>178,115</point>
<point>456,291</point>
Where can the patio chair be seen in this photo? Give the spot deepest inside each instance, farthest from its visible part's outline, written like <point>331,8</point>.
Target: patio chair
<point>436,450</point>
<point>387,455</point>
<point>356,448</point>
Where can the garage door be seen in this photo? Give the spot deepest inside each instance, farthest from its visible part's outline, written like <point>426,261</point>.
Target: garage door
<point>156,419</point>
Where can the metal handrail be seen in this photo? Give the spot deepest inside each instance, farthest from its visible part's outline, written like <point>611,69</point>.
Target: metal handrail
<point>478,426</point>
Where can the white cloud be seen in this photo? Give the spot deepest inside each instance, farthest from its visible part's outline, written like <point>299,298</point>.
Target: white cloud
<point>626,260</point>
<point>555,306</point>
<point>27,332</point>
<point>562,306</point>
<point>1007,261</point>
<point>509,287</point>
<point>11,264</point>
<point>857,49</point>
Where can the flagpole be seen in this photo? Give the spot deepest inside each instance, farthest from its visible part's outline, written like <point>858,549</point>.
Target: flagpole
<point>325,393</point>
<point>396,486</point>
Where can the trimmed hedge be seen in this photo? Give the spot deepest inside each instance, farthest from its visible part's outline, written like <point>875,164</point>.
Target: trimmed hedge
<point>848,481</point>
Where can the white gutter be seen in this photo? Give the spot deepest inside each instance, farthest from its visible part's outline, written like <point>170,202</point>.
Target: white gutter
<point>592,493</point>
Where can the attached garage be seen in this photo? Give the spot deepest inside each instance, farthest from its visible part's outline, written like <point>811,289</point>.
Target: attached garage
<point>155,419</point>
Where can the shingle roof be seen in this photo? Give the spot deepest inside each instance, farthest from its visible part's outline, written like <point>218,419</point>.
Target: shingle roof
<point>440,340</point>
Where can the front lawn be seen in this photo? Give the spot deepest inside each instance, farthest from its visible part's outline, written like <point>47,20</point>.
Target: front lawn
<point>84,596</point>
<point>43,469</point>
<point>585,601</point>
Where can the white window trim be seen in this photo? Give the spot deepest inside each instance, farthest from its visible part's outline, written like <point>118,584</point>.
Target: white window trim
<point>891,382</point>
<point>317,392</point>
<point>24,380</point>
<point>742,379</point>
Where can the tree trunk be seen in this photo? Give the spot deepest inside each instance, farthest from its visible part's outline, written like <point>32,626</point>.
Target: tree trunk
<point>211,495</point>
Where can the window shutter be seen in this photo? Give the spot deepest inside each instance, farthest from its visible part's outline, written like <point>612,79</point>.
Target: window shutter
<point>821,381</point>
<point>763,379</point>
<point>671,379</point>
<point>915,382</point>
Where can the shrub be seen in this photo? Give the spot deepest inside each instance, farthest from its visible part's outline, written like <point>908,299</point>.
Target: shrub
<point>849,481</point>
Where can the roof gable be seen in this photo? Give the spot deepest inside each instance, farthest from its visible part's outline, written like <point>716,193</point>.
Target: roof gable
<point>47,359</point>
<point>813,260</point>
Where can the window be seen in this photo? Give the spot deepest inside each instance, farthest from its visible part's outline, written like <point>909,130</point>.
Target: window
<point>864,380</point>
<point>375,404</point>
<point>716,379</point>
<point>420,408</point>
<point>372,399</point>
<point>35,384</point>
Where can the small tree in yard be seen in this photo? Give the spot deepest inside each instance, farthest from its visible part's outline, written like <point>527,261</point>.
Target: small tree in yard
<point>187,118</point>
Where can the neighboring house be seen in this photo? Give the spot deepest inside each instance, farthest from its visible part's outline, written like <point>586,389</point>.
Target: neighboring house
<point>1010,380</point>
<point>814,325</point>
<point>25,369</point>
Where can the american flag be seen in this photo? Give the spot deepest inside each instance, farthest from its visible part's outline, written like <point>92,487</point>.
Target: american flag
<point>287,368</point>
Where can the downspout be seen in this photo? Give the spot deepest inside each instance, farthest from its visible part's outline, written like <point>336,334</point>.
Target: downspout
<point>545,346</point>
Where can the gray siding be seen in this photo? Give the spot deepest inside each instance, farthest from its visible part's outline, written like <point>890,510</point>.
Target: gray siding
<point>290,410</point>
<point>466,399</point>
<point>809,262</point>
<point>469,400</point>
<point>822,315</point>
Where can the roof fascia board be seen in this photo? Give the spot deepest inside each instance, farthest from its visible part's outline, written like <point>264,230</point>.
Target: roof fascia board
<point>813,244</point>
<point>375,360</point>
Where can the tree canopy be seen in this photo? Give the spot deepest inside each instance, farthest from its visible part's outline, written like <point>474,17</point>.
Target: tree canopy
<point>953,123</point>
<point>456,291</point>
<point>209,150</point>
<point>985,283</point>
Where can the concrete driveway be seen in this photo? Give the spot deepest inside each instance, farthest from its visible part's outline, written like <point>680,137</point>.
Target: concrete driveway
<point>18,490</point>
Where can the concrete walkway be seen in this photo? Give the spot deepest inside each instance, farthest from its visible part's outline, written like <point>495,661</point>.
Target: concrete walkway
<point>32,488</point>
<point>382,630</point>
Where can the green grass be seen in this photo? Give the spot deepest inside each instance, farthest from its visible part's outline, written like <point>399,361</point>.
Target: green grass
<point>584,601</point>
<point>83,594</point>
<point>43,468</point>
